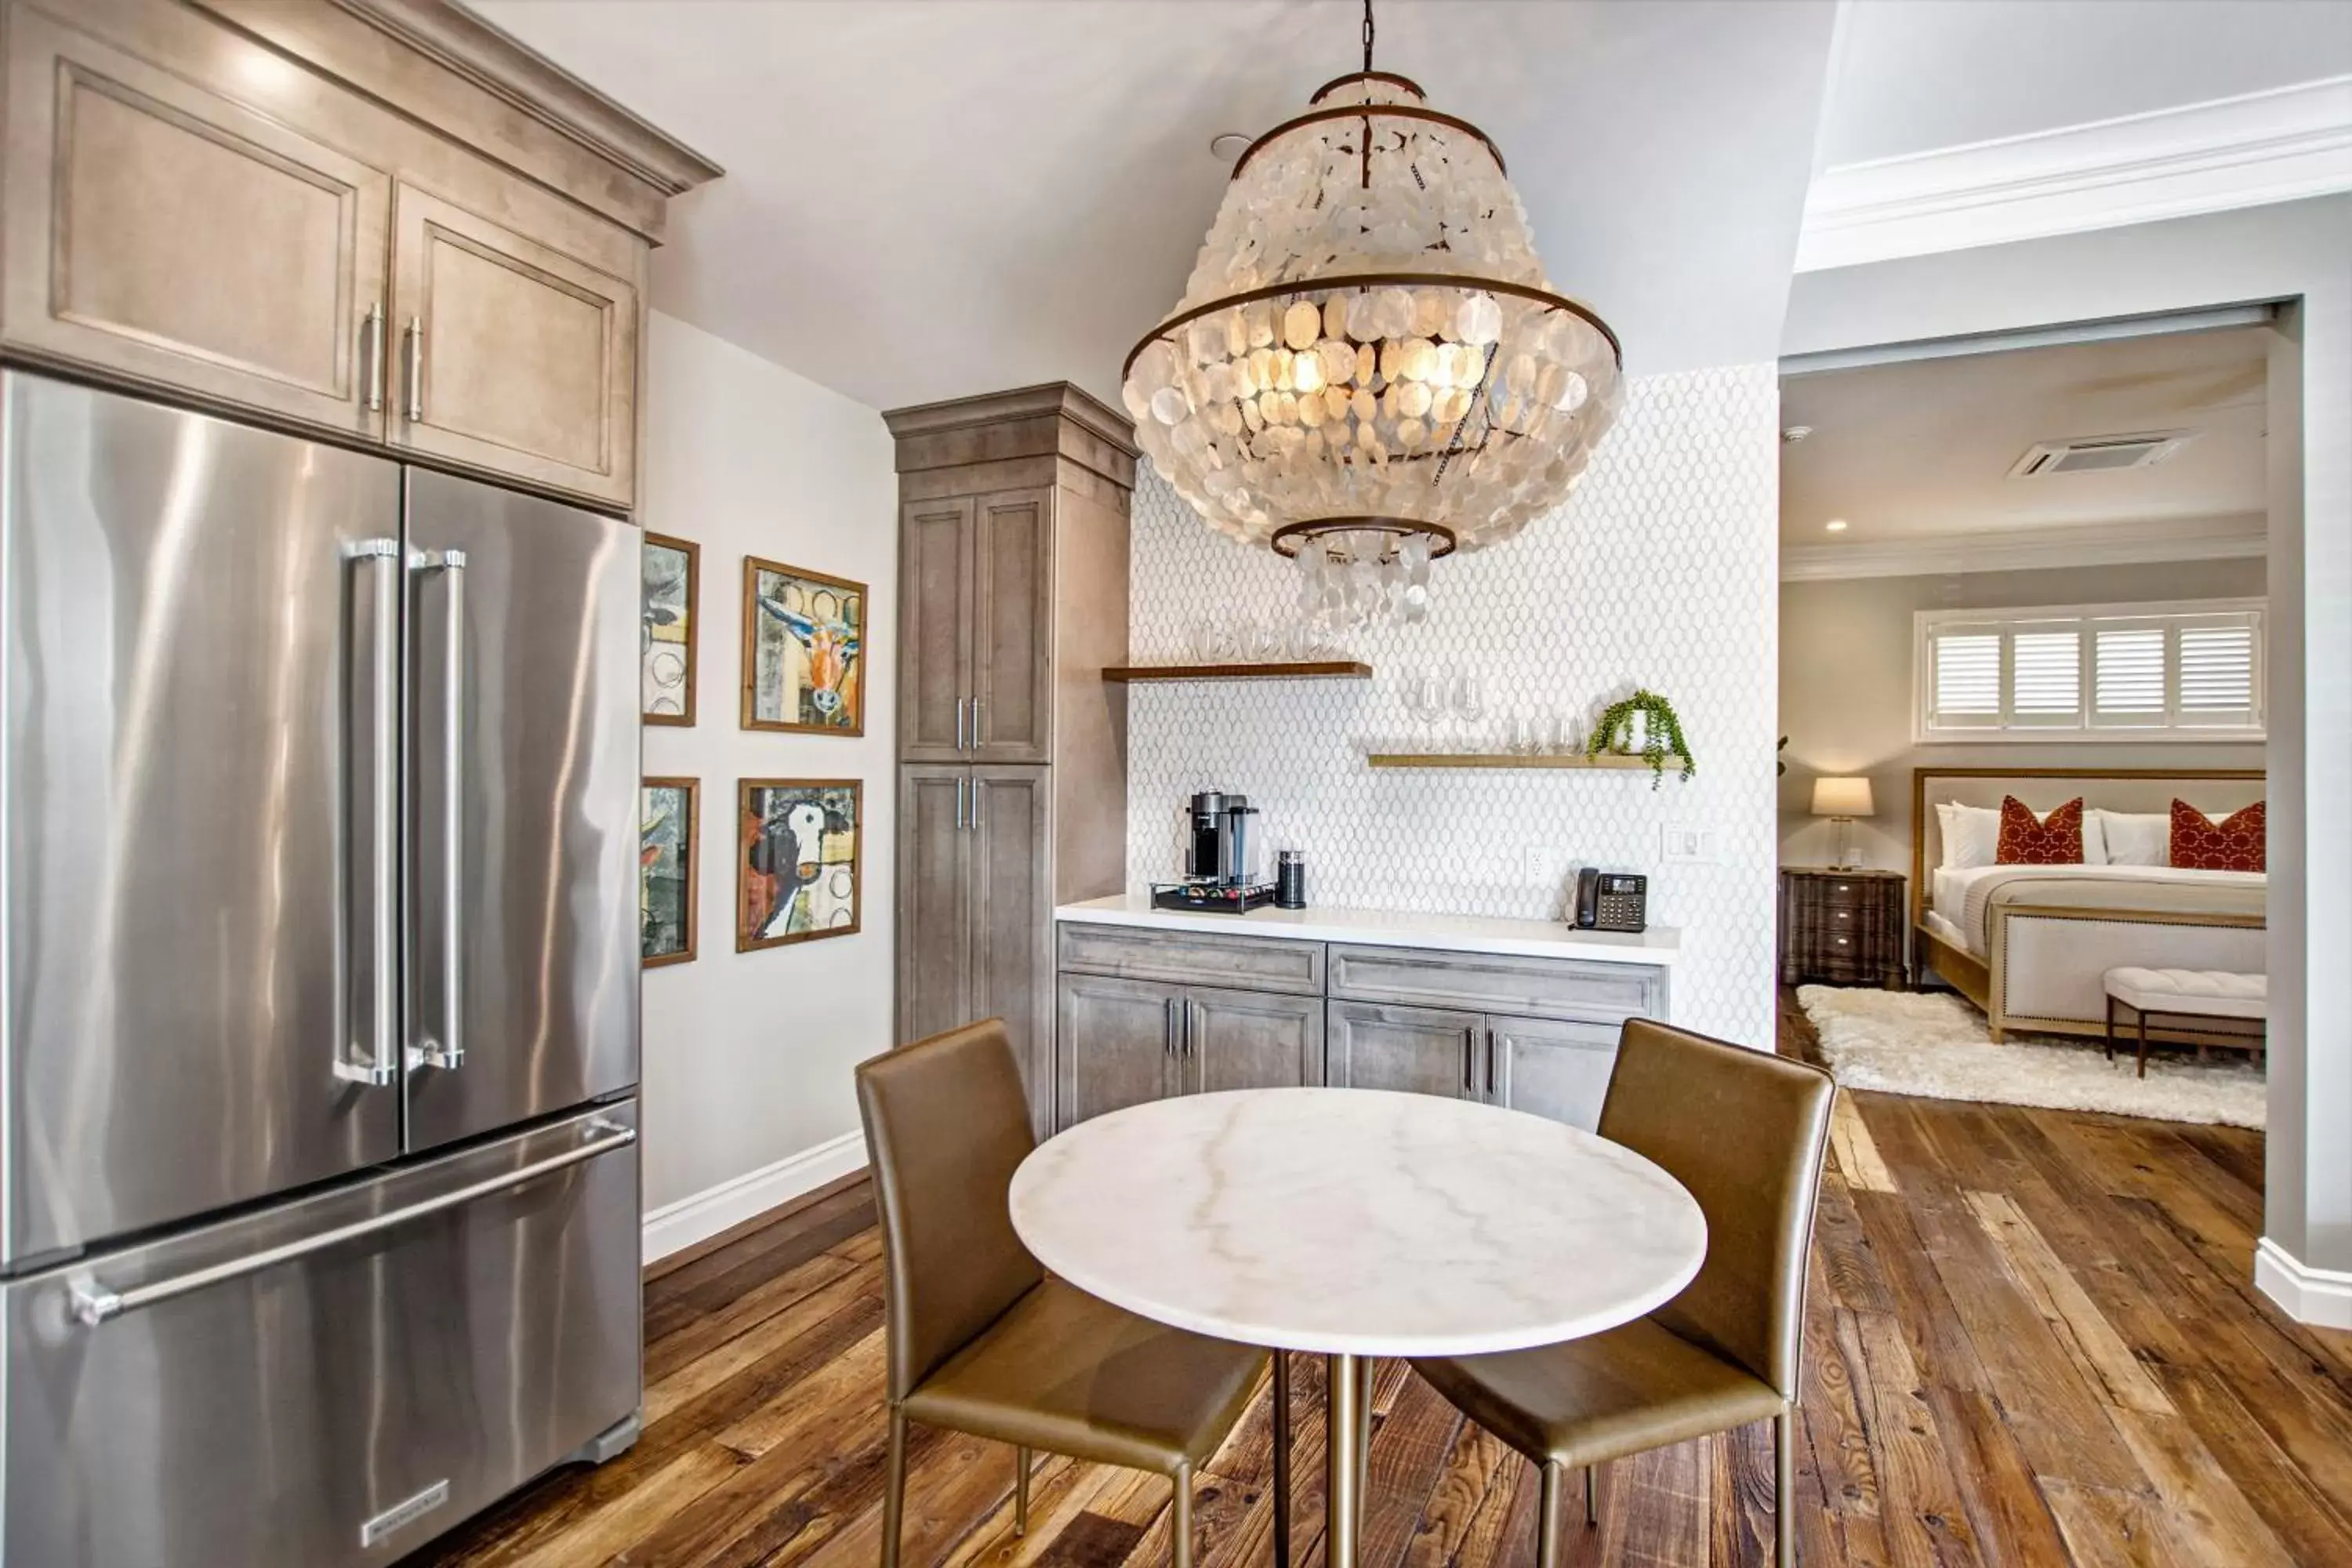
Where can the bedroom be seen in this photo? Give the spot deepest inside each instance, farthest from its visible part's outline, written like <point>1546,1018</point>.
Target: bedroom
<point>2022,615</point>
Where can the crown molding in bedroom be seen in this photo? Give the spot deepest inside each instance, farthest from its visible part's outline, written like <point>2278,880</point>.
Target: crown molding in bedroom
<point>2025,550</point>
<point>2280,145</point>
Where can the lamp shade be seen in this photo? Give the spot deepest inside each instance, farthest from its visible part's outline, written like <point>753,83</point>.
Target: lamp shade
<point>1842,797</point>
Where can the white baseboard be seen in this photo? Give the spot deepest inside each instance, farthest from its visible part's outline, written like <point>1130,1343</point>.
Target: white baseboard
<point>2321,1297</point>
<point>673,1227</point>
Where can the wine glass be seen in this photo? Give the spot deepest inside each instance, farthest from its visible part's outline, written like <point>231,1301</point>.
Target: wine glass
<point>1469,701</point>
<point>1424,699</point>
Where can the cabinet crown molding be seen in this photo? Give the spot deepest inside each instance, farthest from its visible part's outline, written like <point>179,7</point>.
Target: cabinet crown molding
<point>1054,419</point>
<point>502,65</point>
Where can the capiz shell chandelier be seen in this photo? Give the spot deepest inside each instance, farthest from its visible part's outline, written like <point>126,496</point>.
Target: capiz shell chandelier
<point>1369,368</point>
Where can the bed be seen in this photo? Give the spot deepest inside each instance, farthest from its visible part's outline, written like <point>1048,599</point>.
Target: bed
<point>2031,944</point>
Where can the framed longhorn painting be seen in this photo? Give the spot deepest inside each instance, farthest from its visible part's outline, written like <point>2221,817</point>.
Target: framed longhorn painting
<point>798,860</point>
<point>804,650</point>
<point>665,632</point>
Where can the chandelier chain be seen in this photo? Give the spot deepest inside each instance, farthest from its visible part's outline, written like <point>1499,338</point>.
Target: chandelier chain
<point>1368,37</point>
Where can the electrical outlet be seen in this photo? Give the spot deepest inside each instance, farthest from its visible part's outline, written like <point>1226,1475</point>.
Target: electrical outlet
<point>1544,865</point>
<point>1682,843</point>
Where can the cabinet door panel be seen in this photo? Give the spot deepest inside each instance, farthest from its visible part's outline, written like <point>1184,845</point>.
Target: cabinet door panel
<point>517,352</point>
<point>1013,919</point>
<point>934,901</point>
<point>159,229</point>
<point>1550,1068</point>
<point>1013,627</point>
<point>1245,1039</point>
<point>1114,1045</point>
<point>1419,1050</point>
<point>935,541</point>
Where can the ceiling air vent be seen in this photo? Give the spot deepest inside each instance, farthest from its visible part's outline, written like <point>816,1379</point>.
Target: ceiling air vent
<point>2097,454</point>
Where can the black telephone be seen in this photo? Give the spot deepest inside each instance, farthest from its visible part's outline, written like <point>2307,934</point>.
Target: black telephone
<point>1611,901</point>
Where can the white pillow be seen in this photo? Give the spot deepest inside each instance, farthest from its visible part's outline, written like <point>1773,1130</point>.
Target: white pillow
<point>1972,835</point>
<point>2095,840</point>
<point>2134,837</point>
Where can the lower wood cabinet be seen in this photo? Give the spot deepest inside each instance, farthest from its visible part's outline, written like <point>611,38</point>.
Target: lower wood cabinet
<point>1124,1041</point>
<point>1128,1029</point>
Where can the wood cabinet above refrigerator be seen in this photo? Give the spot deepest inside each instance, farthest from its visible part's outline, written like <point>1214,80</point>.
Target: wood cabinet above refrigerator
<point>383,220</point>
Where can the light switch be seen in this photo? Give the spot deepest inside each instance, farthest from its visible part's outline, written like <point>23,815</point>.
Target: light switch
<point>1686,844</point>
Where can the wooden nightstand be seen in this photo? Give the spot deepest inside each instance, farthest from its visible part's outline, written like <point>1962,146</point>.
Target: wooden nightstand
<point>1843,928</point>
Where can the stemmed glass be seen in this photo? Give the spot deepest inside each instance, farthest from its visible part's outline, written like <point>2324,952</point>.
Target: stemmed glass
<point>1469,703</point>
<point>1424,699</point>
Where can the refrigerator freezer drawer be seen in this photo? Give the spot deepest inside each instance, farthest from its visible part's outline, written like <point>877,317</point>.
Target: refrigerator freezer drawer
<point>333,1381</point>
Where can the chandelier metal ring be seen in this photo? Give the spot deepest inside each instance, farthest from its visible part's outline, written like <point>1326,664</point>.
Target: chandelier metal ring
<point>1291,538</point>
<point>1391,77</point>
<point>1362,281</point>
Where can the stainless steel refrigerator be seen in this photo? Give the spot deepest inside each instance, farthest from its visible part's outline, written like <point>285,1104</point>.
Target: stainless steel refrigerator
<point>319,950</point>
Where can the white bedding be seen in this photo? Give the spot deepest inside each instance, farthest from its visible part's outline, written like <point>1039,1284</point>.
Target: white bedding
<point>1962,896</point>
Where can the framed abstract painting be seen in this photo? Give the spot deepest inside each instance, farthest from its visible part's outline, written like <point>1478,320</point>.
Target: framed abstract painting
<point>804,650</point>
<point>798,860</point>
<point>669,840</point>
<point>673,570</point>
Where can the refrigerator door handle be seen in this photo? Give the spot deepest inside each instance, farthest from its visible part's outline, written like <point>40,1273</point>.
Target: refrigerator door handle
<point>379,1064</point>
<point>92,1303</point>
<point>448,1049</point>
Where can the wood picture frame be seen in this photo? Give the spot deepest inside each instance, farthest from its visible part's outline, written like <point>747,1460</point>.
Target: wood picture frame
<point>656,682</point>
<point>775,878</point>
<point>804,662</point>
<point>651,840</point>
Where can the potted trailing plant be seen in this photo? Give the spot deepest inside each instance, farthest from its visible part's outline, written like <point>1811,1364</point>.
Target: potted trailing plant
<point>1645,724</point>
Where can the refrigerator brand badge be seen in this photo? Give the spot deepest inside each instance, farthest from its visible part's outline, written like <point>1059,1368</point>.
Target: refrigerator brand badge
<point>375,1529</point>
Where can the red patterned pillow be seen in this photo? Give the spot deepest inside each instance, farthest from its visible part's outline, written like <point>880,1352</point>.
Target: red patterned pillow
<point>2205,844</point>
<point>2030,840</point>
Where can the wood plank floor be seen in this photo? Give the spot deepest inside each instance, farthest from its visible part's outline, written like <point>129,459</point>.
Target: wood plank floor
<point>2033,1341</point>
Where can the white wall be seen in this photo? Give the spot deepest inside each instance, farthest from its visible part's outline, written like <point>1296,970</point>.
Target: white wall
<point>1660,570</point>
<point>2292,250</point>
<point>748,1095</point>
<point>1846,691</point>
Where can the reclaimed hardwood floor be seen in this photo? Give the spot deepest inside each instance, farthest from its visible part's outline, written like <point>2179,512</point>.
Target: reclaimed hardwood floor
<point>2033,1341</point>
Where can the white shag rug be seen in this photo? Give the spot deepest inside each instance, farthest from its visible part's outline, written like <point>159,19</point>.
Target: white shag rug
<point>1934,1045</point>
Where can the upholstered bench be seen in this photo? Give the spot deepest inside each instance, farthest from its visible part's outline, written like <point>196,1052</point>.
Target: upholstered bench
<point>2198,998</point>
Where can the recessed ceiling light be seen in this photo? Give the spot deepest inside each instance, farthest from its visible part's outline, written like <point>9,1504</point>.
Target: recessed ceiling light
<point>1794,434</point>
<point>1836,525</point>
<point>1228,145</point>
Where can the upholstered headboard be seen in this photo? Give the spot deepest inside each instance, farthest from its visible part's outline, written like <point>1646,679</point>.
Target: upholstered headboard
<point>2218,791</point>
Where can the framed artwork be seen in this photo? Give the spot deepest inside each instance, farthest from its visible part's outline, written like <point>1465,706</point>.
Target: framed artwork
<point>798,860</point>
<point>804,650</point>
<point>669,840</point>
<point>673,571</point>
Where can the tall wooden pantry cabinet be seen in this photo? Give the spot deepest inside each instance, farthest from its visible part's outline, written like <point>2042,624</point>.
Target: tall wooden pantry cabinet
<point>1013,547</point>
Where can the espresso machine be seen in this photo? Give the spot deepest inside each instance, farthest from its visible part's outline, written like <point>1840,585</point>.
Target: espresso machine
<point>1224,858</point>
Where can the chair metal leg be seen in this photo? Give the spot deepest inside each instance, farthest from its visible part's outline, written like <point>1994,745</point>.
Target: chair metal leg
<point>1548,1517</point>
<point>1282,1459</point>
<point>2111,1029</point>
<point>1180,1521</point>
<point>1591,1496</point>
<point>1020,1491</point>
<point>2142,1042</point>
<point>1784,1487</point>
<point>1364,1369</point>
<point>894,1490</point>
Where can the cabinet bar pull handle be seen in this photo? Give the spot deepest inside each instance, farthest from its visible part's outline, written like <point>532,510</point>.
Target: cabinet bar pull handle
<point>1469,1061</point>
<point>414,341</point>
<point>960,703</point>
<point>371,359</point>
<point>1494,1070</point>
<point>975,723</point>
<point>961,782</point>
<point>92,1303</point>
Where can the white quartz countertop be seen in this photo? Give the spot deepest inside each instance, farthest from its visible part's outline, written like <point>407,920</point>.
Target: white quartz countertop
<point>1357,1221</point>
<point>1390,928</point>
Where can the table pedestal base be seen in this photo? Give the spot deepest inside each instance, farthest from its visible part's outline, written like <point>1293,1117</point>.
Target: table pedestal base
<point>1345,1456</point>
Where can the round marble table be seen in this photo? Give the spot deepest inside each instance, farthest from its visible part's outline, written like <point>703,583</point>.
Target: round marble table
<point>1356,1222</point>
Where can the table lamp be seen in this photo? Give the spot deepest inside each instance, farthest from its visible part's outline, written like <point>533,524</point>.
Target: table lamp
<point>1842,800</point>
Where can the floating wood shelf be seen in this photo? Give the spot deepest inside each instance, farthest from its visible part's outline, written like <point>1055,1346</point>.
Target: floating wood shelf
<point>1516,760</point>
<point>1324,669</point>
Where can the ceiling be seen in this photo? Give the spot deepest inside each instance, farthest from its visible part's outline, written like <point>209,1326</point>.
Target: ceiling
<point>1928,74</point>
<point>1921,450</point>
<point>928,199</point>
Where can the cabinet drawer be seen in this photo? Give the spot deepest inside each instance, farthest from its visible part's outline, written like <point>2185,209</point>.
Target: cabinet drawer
<point>1523,987</point>
<point>1246,962</point>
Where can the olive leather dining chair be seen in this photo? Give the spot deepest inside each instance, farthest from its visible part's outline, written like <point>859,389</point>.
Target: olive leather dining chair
<point>1744,1130</point>
<point>981,1340</point>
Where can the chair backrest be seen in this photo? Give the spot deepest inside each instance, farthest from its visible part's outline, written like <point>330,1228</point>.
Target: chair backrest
<point>946,1125</point>
<point>1745,1131</point>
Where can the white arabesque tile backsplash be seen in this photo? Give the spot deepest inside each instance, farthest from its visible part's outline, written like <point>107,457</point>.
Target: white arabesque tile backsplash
<point>1661,571</point>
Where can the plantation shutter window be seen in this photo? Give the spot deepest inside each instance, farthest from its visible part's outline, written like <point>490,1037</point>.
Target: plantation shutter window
<point>2112,672</point>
